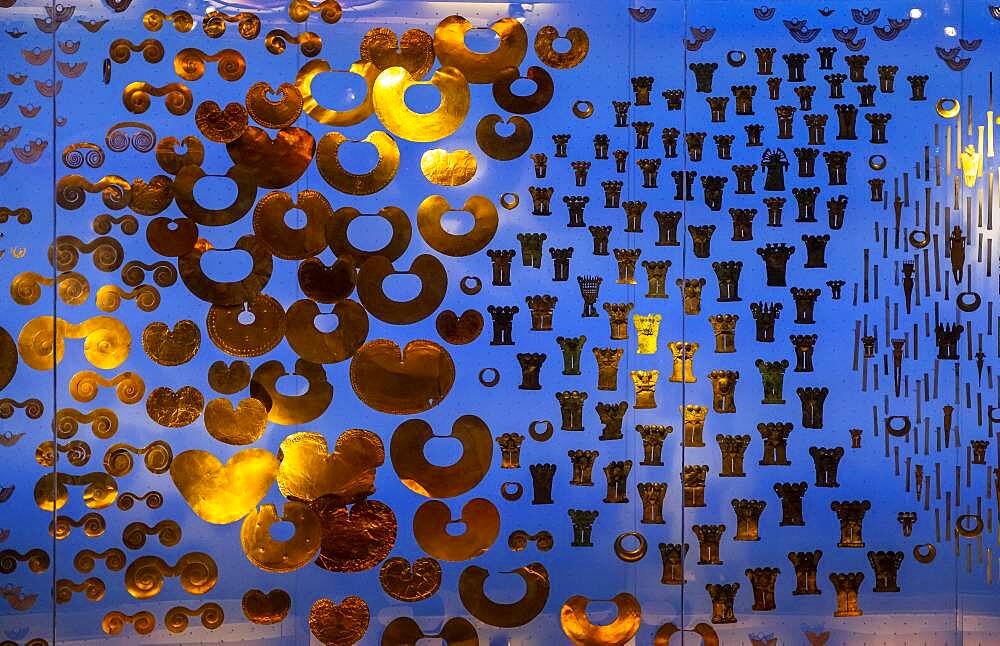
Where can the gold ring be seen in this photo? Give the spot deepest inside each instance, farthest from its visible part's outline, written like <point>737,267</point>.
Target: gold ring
<point>470,285</point>
<point>962,530</point>
<point>902,431</point>
<point>544,435</point>
<point>509,201</point>
<point>736,57</point>
<point>954,107</point>
<point>877,162</point>
<point>919,238</point>
<point>583,109</point>
<point>509,494</point>
<point>489,383</point>
<point>924,553</point>
<point>968,306</point>
<point>633,555</point>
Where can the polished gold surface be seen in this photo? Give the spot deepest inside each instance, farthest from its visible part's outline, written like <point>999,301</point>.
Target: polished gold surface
<point>288,555</point>
<point>408,582</point>
<point>340,624</point>
<point>273,162</point>
<point>579,629</point>
<point>336,118</point>
<point>390,107</point>
<point>238,426</point>
<point>223,493</point>
<point>414,51</point>
<point>486,221</point>
<point>433,285</point>
<point>451,50</point>
<point>427,479</point>
<point>266,608</point>
<point>448,168</point>
<point>274,113</point>
<point>482,526</point>
<point>331,170</point>
<point>171,347</point>
<point>471,590</point>
<point>289,410</point>
<point>307,471</point>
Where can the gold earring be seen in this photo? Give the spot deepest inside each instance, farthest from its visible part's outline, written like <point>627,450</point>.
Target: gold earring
<point>579,46</point>
<point>274,114</point>
<point>429,215</point>
<point>577,626</point>
<point>433,285</point>
<point>341,245</point>
<point>482,525</point>
<point>232,292</point>
<point>326,347</point>
<point>450,48</point>
<point>389,102</point>
<point>172,242</point>
<point>253,339</point>
<point>416,472</point>
<point>171,347</point>
<point>402,382</point>
<point>405,582</point>
<point>283,241</point>
<point>229,379</point>
<point>281,556</point>
<point>266,609</point>
<point>289,410</point>
<point>238,426</point>
<point>327,284</point>
<point>529,104</point>
<point>504,148</point>
<point>273,163</point>
<point>171,161</point>
<point>330,168</point>
<point>246,193</point>
<point>326,116</point>
<point>414,51</point>
<point>471,590</point>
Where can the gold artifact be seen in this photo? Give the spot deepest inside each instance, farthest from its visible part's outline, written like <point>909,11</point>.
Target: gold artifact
<point>448,168</point>
<point>339,344</point>
<point>429,215</point>
<point>271,113</point>
<point>482,526</point>
<point>471,584</point>
<point>171,347</point>
<point>405,582</point>
<point>413,52</point>
<point>307,471</point>
<point>289,555</point>
<point>451,50</point>
<point>262,334</point>
<point>504,148</point>
<point>289,410</point>
<point>293,243</point>
<point>326,116</point>
<point>330,168</point>
<point>403,381</point>
<point>223,493</point>
<point>174,409</point>
<point>578,627</point>
<point>240,426</point>
<point>433,285</point>
<point>579,47</point>
<point>266,608</point>
<point>273,163</point>
<point>388,99</point>
<point>407,451</point>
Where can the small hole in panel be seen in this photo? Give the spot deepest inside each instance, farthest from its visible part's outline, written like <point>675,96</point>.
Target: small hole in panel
<point>246,317</point>
<point>295,218</point>
<point>226,266</point>
<point>443,451</point>
<point>458,222</point>
<point>601,613</point>
<point>505,588</point>
<point>482,40</point>
<point>215,192</point>
<point>561,45</point>
<point>339,90</point>
<point>282,531</point>
<point>401,287</point>
<point>291,385</point>
<point>326,322</point>
<point>455,529</point>
<point>369,233</point>
<point>422,98</point>
<point>358,157</point>
<point>523,87</point>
